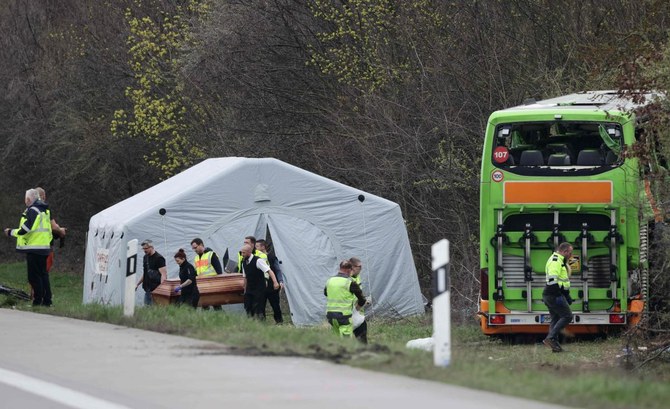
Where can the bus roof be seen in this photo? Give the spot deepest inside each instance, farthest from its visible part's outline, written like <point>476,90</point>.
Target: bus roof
<point>609,100</point>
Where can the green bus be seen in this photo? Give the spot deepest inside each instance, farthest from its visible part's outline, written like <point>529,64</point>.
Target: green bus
<point>561,170</point>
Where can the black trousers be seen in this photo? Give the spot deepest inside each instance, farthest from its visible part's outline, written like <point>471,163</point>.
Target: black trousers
<point>39,278</point>
<point>254,303</point>
<point>189,298</point>
<point>560,312</point>
<point>273,299</point>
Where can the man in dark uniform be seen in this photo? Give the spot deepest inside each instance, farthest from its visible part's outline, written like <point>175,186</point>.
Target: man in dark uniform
<point>254,269</point>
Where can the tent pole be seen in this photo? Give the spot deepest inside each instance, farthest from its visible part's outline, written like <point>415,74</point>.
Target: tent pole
<point>365,240</point>
<point>165,249</point>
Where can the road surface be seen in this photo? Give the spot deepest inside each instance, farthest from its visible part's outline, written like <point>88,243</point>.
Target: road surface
<point>61,363</point>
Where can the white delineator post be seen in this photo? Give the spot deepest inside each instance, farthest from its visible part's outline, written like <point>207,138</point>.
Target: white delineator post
<point>441,303</point>
<point>131,279</point>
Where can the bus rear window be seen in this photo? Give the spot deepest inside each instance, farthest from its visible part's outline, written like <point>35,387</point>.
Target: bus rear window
<point>558,144</point>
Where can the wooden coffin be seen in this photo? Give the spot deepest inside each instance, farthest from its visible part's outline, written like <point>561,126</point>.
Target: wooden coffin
<point>214,290</point>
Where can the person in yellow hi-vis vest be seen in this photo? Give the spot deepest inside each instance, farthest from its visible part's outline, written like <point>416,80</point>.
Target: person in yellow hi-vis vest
<point>556,294</point>
<point>343,295</point>
<point>206,261</point>
<point>33,237</point>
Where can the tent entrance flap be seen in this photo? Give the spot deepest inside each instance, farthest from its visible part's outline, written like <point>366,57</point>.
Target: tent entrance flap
<point>305,277</point>
<point>308,253</point>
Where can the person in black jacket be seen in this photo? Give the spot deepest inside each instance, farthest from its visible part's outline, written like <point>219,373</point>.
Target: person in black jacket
<point>188,289</point>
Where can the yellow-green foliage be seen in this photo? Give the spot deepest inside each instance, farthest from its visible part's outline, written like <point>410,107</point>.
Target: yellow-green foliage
<point>159,108</point>
<point>359,48</point>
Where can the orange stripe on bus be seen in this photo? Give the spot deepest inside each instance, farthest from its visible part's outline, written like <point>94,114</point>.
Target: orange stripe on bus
<point>558,192</point>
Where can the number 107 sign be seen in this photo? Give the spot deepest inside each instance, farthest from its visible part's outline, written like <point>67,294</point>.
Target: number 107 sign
<point>500,154</point>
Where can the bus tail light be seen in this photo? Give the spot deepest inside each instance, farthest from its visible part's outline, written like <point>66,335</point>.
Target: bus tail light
<point>497,319</point>
<point>484,283</point>
<point>617,319</point>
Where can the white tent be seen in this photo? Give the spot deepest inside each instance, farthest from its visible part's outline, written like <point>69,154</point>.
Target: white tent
<point>313,222</point>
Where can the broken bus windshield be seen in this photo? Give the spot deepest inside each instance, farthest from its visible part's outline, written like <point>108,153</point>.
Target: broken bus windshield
<point>558,143</point>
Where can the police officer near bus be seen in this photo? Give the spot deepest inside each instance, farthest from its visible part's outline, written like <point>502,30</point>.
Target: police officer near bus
<point>342,293</point>
<point>556,294</point>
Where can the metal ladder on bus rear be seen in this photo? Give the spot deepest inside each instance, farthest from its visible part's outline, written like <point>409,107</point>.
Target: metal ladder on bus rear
<point>528,238</point>
<point>585,237</point>
<point>615,240</point>
<point>500,237</point>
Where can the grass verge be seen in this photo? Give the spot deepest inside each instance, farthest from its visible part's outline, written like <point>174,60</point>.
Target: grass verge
<point>590,375</point>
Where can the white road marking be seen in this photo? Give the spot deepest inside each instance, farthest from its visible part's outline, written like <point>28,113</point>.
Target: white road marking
<point>55,392</point>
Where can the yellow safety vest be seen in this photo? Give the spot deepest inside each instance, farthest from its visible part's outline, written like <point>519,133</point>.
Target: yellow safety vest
<point>556,271</point>
<point>39,236</point>
<point>258,254</point>
<point>340,299</point>
<point>203,264</point>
